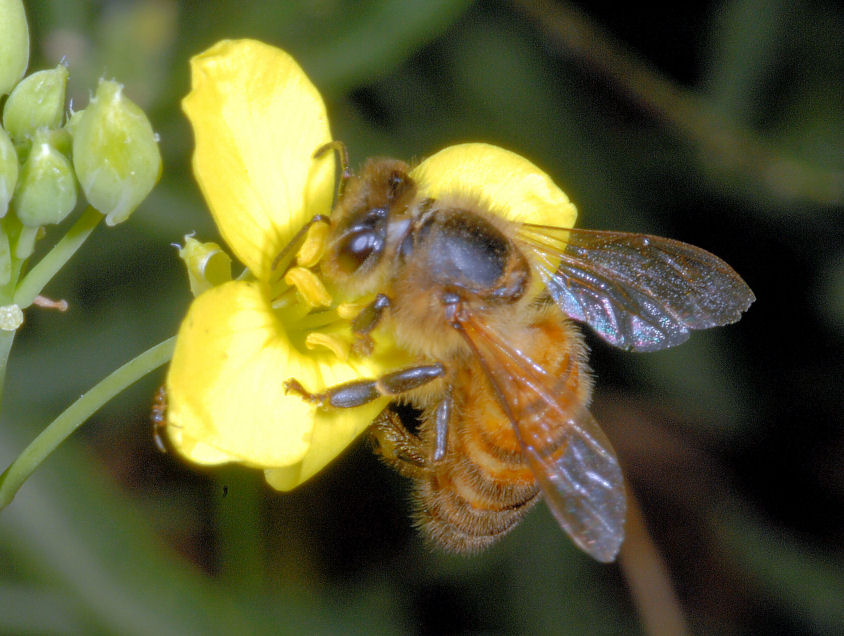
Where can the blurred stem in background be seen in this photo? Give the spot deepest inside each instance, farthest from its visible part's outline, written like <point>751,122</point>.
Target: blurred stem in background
<point>727,148</point>
<point>648,577</point>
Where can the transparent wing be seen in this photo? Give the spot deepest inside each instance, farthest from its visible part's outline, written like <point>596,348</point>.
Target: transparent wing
<point>570,456</point>
<point>638,292</point>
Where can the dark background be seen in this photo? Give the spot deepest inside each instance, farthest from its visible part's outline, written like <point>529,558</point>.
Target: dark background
<point>716,123</point>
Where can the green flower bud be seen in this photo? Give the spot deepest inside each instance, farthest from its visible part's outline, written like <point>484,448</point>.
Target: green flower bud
<point>59,139</point>
<point>46,189</point>
<point>37,102</point>
<point>8,171</point>
<point>72,120</point>
<point>14,44</point>
<point>115,153</point>
<point>208,265</point>
<point>5,256</point>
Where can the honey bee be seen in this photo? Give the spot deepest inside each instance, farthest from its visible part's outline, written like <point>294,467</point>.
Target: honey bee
<point>502,383</point>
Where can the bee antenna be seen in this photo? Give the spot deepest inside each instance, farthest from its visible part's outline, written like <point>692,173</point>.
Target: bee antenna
<point>343,157</point>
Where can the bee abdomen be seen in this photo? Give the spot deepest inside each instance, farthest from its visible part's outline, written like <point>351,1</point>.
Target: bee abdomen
<point>462,509</point>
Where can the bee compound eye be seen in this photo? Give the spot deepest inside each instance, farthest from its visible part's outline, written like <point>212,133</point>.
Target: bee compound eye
<point>358,246</point>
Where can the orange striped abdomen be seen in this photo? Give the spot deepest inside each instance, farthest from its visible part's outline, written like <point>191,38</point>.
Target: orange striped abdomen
<point>483,486</point>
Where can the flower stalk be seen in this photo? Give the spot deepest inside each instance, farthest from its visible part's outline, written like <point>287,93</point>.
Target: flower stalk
<point>76,414</point>
<point>52,262</point>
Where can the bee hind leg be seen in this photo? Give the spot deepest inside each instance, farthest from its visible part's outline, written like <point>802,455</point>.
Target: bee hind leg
<point>403,450</point>
<point>398,447</point>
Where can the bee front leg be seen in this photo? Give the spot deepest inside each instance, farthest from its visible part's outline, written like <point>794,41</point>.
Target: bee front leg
<point>343,155</point>
<point>366,321</point>
<point>360,392</point>
<point>285,257</point>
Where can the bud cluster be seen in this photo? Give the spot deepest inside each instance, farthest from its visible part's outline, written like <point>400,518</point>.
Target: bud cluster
<point>108,151</point>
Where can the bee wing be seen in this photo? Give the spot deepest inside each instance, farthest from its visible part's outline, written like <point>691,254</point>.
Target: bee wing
<point>638,292</point>
<point>570,456</point>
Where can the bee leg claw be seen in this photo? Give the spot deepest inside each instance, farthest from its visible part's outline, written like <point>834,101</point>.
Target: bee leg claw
<point>294,386</point>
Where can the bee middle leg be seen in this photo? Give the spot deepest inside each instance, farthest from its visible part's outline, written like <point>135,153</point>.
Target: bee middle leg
<point>360,392</point>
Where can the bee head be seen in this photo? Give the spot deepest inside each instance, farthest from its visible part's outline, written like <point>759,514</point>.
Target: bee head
<point>360,220</point>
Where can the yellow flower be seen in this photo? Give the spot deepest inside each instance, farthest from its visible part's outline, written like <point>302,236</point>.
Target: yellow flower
<point>257,121</point>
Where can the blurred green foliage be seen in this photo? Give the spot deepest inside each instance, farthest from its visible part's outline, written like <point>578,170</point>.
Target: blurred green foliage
<point>733,441</point>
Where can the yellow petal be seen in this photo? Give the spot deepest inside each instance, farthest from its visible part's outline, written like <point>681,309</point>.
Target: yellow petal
<point>330,437</point>
<point>225,386</point>
<point>512,185</point>
<point>257,120</point>
<point>327,444</point>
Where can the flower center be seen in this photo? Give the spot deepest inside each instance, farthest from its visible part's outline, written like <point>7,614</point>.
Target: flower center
<point>304,306</point>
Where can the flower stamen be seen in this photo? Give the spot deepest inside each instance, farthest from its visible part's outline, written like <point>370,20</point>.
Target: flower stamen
<point>350,311</point>
<point>336,345</point>
<point>309,286</point>
<point>313,247</point>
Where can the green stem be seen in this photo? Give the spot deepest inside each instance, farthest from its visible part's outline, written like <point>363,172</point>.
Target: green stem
<point>76,414</point>
<point>10,227</point>
<point>55,259</point>
<point>6,340</point>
